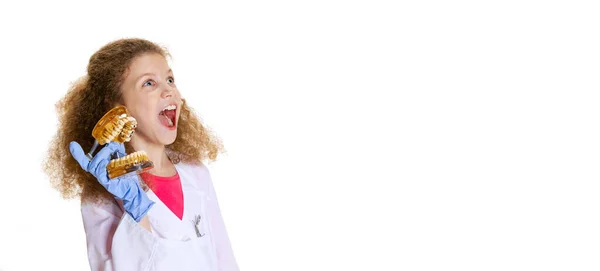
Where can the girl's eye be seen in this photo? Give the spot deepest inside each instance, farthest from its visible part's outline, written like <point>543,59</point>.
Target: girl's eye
<point>171,80</point>
<point>148,83</point>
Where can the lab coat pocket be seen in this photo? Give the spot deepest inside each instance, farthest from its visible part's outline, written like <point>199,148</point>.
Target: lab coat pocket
<point>195,250</point>
<point>181,255</point>
<point>203,242</point>
<point>194,253</point>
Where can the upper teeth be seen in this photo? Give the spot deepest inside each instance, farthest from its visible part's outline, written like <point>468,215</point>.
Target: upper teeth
<point>170,107</point>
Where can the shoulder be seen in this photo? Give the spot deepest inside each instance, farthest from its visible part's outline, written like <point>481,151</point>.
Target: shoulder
<point>195,174</point>
<point>198,169</point>
<point>101,207</point>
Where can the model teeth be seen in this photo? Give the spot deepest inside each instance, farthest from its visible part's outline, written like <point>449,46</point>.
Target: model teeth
<point>127,130</point>
<point>123,165</point>
<point>117,125</point>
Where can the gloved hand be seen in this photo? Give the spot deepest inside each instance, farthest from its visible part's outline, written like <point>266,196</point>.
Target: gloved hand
<point>125,187</point>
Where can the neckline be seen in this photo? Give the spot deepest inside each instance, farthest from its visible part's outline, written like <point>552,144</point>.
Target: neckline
<point>162,178</point>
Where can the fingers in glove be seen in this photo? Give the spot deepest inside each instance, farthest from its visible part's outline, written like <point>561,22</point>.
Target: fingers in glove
<point>79,155</point>
<point>101,173</point>
<point>103,155</point>
<point>121,150</point>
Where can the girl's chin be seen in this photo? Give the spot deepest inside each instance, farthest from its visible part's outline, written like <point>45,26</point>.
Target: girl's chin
<point>167,139</point>
<point>164,136</point>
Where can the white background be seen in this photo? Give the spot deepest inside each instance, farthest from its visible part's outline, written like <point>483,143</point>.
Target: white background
<point>361,135</point>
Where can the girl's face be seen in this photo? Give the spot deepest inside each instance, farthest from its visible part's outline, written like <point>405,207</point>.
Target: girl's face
<point>151,97</point>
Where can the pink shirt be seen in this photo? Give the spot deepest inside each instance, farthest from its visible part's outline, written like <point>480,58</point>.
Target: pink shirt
<point>168,190</point>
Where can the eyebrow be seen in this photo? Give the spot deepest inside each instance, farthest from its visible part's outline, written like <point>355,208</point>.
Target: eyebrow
<point>149,73</point>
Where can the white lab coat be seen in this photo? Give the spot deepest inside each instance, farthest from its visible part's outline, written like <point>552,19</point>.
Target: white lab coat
<point>116,242</point>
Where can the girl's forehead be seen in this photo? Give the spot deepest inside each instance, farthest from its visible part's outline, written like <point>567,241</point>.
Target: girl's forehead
<point>149,62</point>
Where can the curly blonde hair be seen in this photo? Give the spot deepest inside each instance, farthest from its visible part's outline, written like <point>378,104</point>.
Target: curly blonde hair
<point>93,95</point>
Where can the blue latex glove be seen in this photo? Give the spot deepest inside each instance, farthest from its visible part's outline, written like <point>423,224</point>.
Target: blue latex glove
<point>125,187</point>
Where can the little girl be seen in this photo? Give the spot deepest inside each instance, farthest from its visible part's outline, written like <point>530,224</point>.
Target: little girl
<point>168,219</point>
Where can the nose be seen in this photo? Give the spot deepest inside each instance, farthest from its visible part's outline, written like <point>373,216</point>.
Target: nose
<point>168,92</point>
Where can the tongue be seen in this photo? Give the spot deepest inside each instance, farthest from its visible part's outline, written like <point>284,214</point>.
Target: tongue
<point>167,117</point>
<point>164,120</point>
<point>170,114</point>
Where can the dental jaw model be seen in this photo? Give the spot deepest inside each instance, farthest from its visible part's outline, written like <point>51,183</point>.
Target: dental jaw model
<point>117,125</point>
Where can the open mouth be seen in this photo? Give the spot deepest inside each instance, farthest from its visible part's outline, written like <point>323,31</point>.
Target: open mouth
<point>168,116</point>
